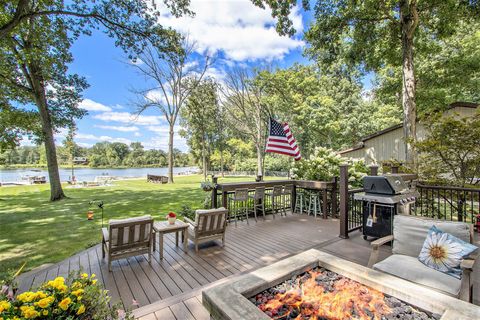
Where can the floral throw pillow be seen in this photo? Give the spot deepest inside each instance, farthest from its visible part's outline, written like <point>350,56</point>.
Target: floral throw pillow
<point>444,252</point>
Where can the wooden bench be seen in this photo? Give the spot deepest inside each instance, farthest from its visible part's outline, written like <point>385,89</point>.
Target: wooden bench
<point>157,179</point>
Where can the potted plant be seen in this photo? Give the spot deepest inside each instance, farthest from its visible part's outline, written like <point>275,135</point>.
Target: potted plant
<point>207,186</point>
<point>171,217</point>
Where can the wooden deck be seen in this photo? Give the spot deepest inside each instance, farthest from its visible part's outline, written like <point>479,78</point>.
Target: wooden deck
<point>171,288</point>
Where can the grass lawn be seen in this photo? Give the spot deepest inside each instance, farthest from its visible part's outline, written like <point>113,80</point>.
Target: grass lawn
<point>38,231</point>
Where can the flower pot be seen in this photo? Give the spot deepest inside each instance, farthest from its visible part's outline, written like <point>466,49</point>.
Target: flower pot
<point>171,220</point>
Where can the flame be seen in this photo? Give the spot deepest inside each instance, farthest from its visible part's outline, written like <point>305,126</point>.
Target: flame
<point>309,299</point>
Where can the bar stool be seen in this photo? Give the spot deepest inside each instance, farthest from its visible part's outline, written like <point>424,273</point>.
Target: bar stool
<point>300,202</point>
<point>314,206</point>
<point>240,205</point>
<point>258,201</point>
<point>287,197</point>
<point>277,196</point>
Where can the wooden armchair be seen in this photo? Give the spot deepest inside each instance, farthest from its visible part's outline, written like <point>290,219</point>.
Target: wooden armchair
<point>409,234</point>
<point>127,237</point>
<point>208,225</point>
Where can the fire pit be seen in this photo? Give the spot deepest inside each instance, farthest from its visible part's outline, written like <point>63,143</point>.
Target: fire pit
<point>317,285</point>
<point>321,294</point>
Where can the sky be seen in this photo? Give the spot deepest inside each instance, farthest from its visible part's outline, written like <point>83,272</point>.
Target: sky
<point>235,31</point>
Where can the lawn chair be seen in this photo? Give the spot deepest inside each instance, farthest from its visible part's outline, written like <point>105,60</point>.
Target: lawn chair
<point>127,237</point>
<point>208,225</point>
<point>409,234</point>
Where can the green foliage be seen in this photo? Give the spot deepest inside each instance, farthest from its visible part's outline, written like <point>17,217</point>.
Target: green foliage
<point>324,164</point>
<point>79,297</point>
<point>187,212</point>
<point>450,152</point>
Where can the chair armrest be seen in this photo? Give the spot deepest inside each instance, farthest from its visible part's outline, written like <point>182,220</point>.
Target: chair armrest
<point>467,264</point>
<point>105,234</point>
<point>190,221</point>
<point>380,242</point>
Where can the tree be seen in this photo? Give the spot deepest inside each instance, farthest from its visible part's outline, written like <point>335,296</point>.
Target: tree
<point>35,37</point>
<point>246,111</point>
<point>70,146</point>
<point>450,149</point>
<point>198,120</point>
<point>373,33</point>
<point>33,68</point>
<point>173,78</point>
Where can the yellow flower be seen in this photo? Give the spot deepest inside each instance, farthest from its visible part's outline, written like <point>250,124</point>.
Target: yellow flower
<point>78,292</point>
<point>84,275</point>
<point>45,302</point>
<point>65,303</point>
<point>26,296</point>
<point>93,275</point>
<point>45,312</point>
<point>81,309</point>
<point>40,295</point>
<point>29,312</point>
<point>94,281</point>
<point>4,305</point>
<point>76,284</point>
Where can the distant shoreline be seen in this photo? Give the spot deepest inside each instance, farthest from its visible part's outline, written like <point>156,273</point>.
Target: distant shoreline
<point>27,166</point>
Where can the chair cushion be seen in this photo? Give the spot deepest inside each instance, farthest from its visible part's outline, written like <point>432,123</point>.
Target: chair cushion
<point>410,232</point>
<point>443,252</point>
<point>128,220</point>
<point>409,268</point>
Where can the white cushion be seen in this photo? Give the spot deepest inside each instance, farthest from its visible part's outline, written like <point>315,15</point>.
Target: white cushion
<point>410,233</point>
<point>409,268</point>
<point>200,211</point>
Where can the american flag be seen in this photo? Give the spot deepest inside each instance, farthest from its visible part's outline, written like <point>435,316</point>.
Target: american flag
<point>281,140</point>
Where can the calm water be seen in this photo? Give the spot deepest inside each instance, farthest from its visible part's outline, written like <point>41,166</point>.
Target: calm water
<point>89,174</point>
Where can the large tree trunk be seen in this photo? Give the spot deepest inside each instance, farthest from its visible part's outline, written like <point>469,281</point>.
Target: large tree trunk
<point>409,22</point>
<point>56,191</point>
<point>170,153</point>
<point>204,160</point>
<point>259,160</point>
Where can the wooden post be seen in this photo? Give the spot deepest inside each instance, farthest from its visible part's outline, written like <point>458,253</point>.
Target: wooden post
<point>344,201</point>
<point>324,203</point>
<point>214,192</point>
<point>225,199</point>
<point>394,169</point>
<point>374,170</point>
<point>293,200</point>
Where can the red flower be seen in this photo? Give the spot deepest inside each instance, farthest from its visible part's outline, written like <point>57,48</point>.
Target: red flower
<point>172,215</point>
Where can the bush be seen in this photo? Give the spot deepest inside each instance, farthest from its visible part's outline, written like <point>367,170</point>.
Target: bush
<point>80,297</point>
<point>325,163</point>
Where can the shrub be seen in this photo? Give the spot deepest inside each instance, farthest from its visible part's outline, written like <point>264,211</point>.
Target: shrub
<point>324,164</point>
<point>79,297</point>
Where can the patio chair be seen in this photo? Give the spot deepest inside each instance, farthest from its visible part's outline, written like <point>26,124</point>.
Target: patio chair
<point>239,207</point>
<point>287,193</point>
<point>276,200</point>
<point>409,234</point>
<point>127,237</point>
<point>258,201</point>
<point>208,225</point>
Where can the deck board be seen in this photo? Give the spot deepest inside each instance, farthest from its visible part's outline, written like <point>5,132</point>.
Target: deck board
<point>170,288</point>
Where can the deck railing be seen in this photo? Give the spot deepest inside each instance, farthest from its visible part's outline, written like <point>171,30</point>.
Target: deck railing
<point>222,195</point>
<point>448,202</point>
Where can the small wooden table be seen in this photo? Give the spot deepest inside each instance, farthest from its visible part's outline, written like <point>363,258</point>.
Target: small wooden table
<point>163,227</point>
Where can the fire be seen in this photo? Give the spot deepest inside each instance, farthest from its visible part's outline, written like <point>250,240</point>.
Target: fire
<point>341,300</point>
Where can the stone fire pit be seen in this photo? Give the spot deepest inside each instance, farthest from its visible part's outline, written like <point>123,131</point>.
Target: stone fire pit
<point>230,301</point>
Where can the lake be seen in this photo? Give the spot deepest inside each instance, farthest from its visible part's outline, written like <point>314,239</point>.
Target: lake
<point>89,174</point>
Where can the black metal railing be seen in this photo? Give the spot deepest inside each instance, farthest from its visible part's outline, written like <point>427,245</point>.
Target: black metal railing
<point>448,203</point>
<point>355,211</point>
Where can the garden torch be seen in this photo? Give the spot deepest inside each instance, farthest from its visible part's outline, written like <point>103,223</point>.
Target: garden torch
<point>99,204</point>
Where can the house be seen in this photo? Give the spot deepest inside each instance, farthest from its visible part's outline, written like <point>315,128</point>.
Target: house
<point>389,143</point>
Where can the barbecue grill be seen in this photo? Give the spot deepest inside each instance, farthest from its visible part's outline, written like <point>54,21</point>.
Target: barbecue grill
<point>384,197</point>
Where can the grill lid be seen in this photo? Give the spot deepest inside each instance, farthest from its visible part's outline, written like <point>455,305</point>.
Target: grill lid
<point>388,184</point>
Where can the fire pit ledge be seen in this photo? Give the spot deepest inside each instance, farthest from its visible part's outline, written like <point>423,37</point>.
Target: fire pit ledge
<point>229,301</point>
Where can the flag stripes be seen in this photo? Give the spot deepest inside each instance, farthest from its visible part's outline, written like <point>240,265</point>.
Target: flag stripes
<point>280,140</point>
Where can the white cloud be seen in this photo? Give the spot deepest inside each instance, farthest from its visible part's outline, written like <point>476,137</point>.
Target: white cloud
<point>91,137</point>
<point>137,134</point>
<point>125,117</point>
<point>116,128</point>
<point>238,28</point>
<point>91,105</point>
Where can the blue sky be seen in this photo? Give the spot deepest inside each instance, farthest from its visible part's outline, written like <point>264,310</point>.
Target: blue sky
<point>236,31</point>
